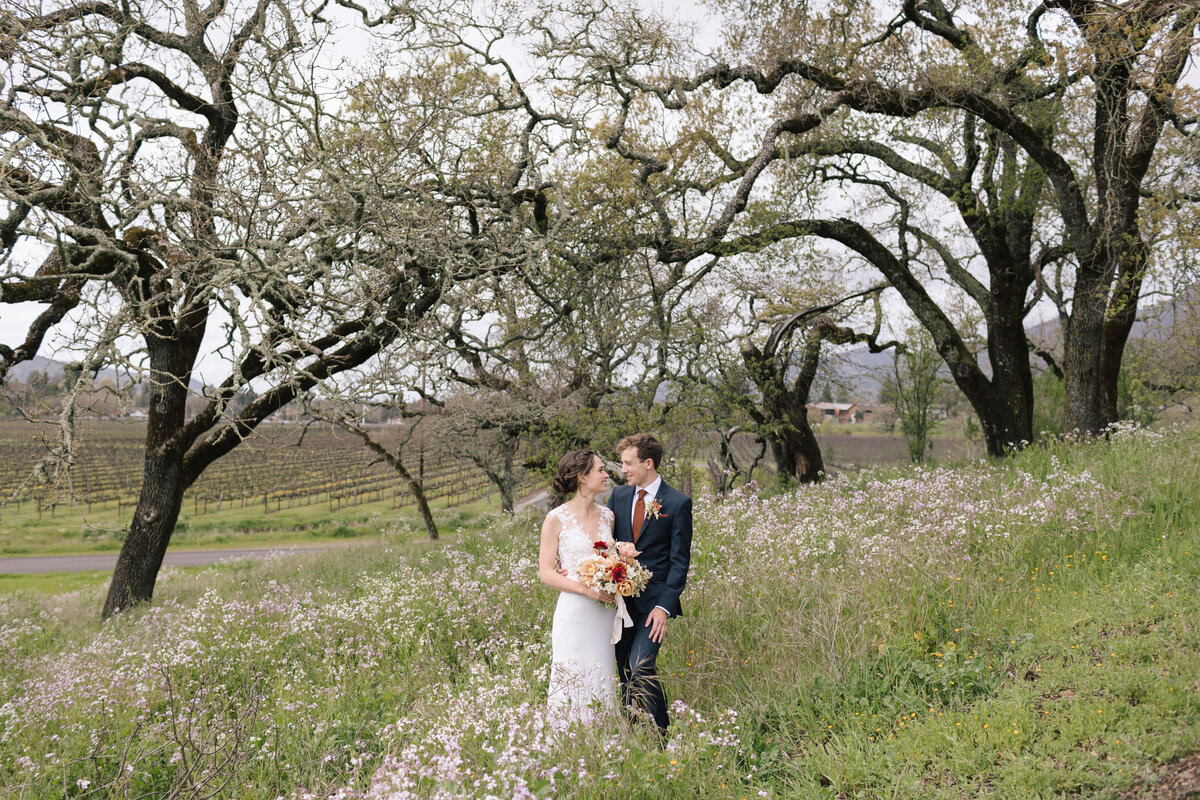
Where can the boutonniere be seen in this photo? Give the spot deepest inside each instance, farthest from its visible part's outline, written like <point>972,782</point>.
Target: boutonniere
<point>654,510</point>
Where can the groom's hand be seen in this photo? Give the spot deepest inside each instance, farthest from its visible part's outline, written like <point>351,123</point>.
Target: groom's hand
<point>656,621</point>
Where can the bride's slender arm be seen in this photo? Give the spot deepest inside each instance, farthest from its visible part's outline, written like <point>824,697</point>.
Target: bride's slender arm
<point>548,553</point>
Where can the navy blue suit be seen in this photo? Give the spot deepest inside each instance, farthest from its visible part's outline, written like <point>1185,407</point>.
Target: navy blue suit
<point>666,545</point>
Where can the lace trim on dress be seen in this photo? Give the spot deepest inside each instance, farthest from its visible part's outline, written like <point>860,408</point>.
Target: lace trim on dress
<point>574,543</point>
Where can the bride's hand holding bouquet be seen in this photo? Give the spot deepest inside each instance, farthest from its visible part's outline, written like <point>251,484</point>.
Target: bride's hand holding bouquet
<point>614,570</point>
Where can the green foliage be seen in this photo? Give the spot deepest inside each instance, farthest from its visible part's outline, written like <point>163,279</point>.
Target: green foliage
<point>949,673</point>
<point>1137,401</point>
<point>601,428</point>
<point>971,429</point>
<point>913,388</point>
<point>1049,405</point>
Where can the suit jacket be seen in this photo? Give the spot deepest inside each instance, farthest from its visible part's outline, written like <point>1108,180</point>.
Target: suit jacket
<point>665,542</point>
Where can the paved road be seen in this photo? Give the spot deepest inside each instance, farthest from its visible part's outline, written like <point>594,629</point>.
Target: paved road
<point>541,499</point>
<point>36,565</point>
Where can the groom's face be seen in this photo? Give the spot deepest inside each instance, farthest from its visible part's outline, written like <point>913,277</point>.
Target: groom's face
<point>635,470</point>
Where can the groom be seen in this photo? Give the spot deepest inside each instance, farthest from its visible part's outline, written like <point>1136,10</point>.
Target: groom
<point>658,520</point>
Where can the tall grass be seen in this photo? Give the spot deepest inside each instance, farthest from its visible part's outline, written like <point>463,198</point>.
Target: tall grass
<point>1022,629</point>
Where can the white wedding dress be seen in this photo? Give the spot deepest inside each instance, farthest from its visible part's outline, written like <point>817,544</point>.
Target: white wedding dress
<point>583,672</point>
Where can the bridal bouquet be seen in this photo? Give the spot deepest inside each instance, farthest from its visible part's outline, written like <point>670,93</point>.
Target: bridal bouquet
<point>614,569</point>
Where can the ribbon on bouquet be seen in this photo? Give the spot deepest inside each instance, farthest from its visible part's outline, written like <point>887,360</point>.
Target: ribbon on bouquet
<point>621,620</point>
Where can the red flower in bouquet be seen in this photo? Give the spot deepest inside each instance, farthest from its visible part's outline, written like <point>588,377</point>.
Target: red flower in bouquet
<point>600,545</point>
<point>614,569</point>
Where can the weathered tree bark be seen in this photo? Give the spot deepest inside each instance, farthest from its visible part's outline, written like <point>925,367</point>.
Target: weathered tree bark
<point>1081,358</point>
<point>504,478</point>
<point>418,493</point>
<point>176,455</point>
<point>305,263</point>
<point>782,412</point>
<point>1108,245</point>
<point>163,483</point>
<point>1002,410</point>
<point>1010,402</point>
<point>998,196</point>
<point>725,469</point>
<point>1117,327</point>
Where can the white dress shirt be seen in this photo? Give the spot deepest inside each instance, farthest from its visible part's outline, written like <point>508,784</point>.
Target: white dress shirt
<point>651,492</point>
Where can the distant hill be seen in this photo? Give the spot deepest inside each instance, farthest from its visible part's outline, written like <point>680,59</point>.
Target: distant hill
<point>861,372</point>
<point>21,372</point>
<point>56,369</point>
<point>860,369</point>
<point>1156,322</point>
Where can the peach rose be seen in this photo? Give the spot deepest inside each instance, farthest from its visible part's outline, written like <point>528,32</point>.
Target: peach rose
<point>587,570</point>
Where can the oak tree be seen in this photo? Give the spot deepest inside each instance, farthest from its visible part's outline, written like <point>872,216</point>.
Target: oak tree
<point>173,172</point>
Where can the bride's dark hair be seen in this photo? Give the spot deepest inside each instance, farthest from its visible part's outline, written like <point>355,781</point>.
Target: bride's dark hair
<point>572,465</point>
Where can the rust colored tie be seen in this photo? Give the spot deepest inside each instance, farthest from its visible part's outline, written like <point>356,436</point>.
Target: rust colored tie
<point>639,514</point>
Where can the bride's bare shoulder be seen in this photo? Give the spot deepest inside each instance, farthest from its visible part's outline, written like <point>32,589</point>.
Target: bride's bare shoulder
<point>552,523</point>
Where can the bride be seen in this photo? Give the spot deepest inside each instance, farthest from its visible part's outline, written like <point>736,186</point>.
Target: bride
<point>583,661</point>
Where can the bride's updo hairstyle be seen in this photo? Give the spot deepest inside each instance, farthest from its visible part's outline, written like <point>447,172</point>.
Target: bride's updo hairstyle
<point>572,465</point>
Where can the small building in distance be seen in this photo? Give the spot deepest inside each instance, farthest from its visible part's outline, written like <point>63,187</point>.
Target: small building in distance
<point>848,413</point>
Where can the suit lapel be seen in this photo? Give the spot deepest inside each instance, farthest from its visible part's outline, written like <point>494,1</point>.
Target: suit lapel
<point>625,509</point>
<point>651,525</point>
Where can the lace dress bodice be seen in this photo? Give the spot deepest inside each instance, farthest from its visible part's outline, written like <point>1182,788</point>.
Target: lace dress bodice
<point>575,543</point>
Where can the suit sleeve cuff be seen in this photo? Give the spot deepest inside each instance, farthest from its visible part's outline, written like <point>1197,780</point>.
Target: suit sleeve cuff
<point>668,613</point>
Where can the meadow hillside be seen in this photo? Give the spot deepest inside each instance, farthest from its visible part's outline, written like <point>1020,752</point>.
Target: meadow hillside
<point>1021,629</point>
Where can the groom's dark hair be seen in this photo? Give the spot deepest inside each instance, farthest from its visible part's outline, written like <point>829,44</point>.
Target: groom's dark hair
<point>648,446</point>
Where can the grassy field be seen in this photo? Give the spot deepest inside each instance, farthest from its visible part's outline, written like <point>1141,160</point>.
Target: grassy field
<point>63,583</point>
<point>236,527</point>
<point>1022,629</point>
<point>368,524</point>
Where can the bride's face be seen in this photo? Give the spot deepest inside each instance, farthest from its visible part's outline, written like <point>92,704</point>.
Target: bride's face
<point>596,479</point>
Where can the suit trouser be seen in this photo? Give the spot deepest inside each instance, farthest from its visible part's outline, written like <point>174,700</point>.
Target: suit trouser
<point>637,665</point>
